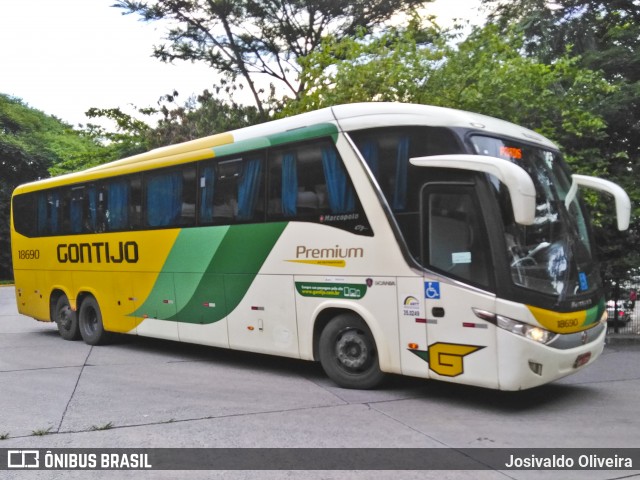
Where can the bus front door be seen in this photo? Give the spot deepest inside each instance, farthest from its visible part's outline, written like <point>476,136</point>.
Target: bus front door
<point>459,281</point>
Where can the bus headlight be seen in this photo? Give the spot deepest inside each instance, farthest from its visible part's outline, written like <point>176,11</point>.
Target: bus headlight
<point>531,332</point>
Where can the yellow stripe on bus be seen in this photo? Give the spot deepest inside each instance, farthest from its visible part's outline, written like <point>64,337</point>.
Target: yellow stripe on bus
<point>560,322</point>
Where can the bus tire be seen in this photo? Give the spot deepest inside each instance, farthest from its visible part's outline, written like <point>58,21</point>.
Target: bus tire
<point>66,319</point>
<point>90,322</point>
<point>348,353</point>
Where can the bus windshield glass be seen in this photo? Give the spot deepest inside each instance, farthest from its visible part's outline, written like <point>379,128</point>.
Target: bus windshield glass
<point>554,255</point>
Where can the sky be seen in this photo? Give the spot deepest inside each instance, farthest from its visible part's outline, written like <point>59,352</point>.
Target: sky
<point>65,56</point>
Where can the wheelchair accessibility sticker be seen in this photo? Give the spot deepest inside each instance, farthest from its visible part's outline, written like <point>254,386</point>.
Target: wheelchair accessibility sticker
<point>432,290</point>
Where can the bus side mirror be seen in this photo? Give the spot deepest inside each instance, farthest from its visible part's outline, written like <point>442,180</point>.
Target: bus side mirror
<point>521,189</point>
<point>623,203</point>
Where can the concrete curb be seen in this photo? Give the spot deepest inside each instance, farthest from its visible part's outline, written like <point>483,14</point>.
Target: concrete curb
<point>623,339</point>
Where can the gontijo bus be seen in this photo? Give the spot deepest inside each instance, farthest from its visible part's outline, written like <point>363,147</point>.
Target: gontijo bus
<point>376,238</point>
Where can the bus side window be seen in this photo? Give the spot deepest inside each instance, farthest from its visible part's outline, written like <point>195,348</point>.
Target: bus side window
<point>49,208</point>
<point>77,206</point>
<point>122,203</point>
<point>306,181</point>
<point>116,204</point>
<point>170,198</point>
<point>25,212</point>
<point>231,190</point>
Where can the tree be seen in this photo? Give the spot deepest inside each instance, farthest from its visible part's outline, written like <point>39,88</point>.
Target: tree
<point>603,36</point>
<point>250,38</point>
<point>485,73</point>
<point>199,116</point>
<point>31,143</point>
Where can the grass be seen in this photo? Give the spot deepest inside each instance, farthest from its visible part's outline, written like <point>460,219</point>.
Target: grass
<point>6,282</point>
<point>41,432</point>
<point>4,436</point>
<point>106,426</point>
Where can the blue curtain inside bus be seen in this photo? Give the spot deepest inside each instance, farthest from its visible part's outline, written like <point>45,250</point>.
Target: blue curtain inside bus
<point>117,201</point>
<point>75,212</point>
<point>248,188</point>
<point>92,217</point>
<point>289,185</point>
<point>42,213</point>
<point>402,164</point>
<point>164,199</point>
<point>207,188</point>
<point>339,192</point>
<point>370,152</point>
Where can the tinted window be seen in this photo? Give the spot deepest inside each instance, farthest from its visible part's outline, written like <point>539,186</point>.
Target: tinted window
<point>24,214</point>
<point>231,190</point>
<point>457,244</point>
<point>308,182</point>
<point>387,152</point>
<point>170,197</point>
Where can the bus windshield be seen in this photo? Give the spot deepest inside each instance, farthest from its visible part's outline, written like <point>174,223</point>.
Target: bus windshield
<point>554,254</point>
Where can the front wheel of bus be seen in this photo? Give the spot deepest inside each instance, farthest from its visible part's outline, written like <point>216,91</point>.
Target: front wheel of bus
<point>90,322</point>
<point>66,319</point>
<point>348,353</point>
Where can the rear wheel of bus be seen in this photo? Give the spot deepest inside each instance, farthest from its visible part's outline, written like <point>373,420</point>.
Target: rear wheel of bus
<point>348,353</point>
<point>90,322</point>
<point>66,319</point>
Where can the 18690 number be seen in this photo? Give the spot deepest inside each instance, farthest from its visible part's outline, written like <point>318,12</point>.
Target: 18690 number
<point>28,254</point>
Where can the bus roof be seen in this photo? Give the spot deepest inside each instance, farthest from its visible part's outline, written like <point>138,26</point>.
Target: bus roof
<point>347,117</point>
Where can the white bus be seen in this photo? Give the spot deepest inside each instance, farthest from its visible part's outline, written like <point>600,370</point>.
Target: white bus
<point>375,238</point>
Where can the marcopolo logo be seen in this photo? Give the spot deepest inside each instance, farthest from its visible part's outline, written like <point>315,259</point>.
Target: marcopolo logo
<point>97,252</point>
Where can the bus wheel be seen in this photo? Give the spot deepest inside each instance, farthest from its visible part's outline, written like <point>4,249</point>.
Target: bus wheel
<point>66,319</point>
<point>348,353</point>
<point>90,322</point>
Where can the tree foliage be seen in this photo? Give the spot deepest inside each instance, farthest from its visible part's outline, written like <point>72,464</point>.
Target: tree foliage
<point>31,145</point>
<point>249,38</point>
<point>485,73</point>
<point>488,73</point>
<point>199,116</point>
<point>167,123</point>
<point>603,36</point>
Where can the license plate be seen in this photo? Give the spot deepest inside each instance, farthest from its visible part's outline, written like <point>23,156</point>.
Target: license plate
<point>582,360</point>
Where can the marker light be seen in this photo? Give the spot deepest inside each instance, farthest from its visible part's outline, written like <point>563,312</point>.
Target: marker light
<point>604,317</point>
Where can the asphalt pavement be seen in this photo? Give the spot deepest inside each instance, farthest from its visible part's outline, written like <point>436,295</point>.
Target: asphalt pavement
<point>146,393</point>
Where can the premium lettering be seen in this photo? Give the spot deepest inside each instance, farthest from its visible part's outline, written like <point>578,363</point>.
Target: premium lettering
<point>336,252</point>
<point>98,252</point>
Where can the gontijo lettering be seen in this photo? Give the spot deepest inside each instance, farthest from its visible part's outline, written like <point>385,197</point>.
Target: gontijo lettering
<point>97,252</point>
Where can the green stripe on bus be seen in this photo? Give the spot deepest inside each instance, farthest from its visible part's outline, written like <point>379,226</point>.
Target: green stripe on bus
<point>295,135</point>
<point>305,133</point>
<point>241,147</point>
<point>595,313</point>
<point>232,257</point>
